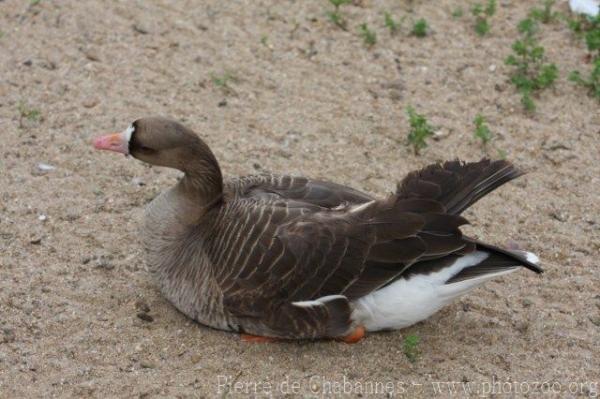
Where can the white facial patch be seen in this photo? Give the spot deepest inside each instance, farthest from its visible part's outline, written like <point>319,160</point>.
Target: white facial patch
<point>128,132</point>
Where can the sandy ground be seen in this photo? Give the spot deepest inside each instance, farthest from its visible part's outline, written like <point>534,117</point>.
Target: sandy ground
<point>305,98</point>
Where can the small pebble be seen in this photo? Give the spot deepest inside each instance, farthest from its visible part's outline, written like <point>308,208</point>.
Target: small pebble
<point>136,181</point>
<point>142,306</point>
<point>42,218</point>
<point>104,263</point>
<point>44,167</point>
<point>140,28</point>
<point>91,55</point>
<point>222,103</point>
<point>145,316</point>
<point>440,134</point>
<point>492,68</point>
<point>36,241</point>
<point>196,358</point>
<point>90,102</point>
<point>147,365</point>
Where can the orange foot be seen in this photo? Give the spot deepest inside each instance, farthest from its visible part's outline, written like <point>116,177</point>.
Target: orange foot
<point>355,336</point>
<point>257,339</point>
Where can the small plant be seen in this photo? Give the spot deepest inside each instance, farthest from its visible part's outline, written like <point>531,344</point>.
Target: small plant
<point>531,71</point>
<point>482,131</point>
<point>335,16</point>
<point>592,83</point>
<point>338,3</point>
<point>591,30</point>
<point>410,347</point>
<point>264,40</point>
<point>35,2</point>
<point>481,14</point>
<point>582,24</point>
<point>545,15</point>
<point>420,28</point>
<point>420,130</point>
<point>222,81</point>
<point>26,112</point>
<point>458,12</point>
<point>369,37</point>
<point>392,24</point>
<point>592,38</point>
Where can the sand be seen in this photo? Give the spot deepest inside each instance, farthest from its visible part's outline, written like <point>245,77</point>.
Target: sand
<point>301,96</point>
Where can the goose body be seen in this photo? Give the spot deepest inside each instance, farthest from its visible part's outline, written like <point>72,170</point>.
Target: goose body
<point>290,257</point>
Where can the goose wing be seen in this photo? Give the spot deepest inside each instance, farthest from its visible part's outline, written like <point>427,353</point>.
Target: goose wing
<point>296,266</point>
<point>324,194</point>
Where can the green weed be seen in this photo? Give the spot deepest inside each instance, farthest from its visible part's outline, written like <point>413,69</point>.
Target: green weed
<point>590,29</point>
<point>592,38</point>
<point>26,112</point>
<point>458,12</point>
<point>481,14</point>
<point>420,28</point>
<point>335,16</point>
<point>392,24</point>
<point>531,71</point>
<point>223,81</point>
<point>410,347</point>
<point>420,130</point>
<point>368,36</point>
<point>482,131</point>
<point>592,83</point>
<point>32,114</point>
<point>545,14</point>
<point>338,3</point>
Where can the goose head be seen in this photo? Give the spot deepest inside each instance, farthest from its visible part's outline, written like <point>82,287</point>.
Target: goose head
<point>157,141</point>
<point>165,142</point>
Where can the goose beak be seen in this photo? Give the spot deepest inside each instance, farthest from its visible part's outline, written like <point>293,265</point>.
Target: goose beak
<point>118,142</point>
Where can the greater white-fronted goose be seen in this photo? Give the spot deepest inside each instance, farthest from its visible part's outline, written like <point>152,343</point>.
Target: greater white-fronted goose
<point>289,257</point>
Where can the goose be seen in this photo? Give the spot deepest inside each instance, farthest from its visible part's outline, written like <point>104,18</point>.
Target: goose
<point>283,257</point>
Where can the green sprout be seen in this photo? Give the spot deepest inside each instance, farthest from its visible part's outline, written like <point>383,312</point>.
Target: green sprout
<point>335,16</point>
<point>392,24</point>
<point>531,71</point>
<point>481,14</point>
<point>458,12</point>
<point>410,347</point>
<point>223,81</point>
<point>420,28</point>
<point>264,40</point>
<point>545,14</point>
<point>369,37</point>
<point>31,114</point>
<point>482,131</point>
<point>592,84</point>
<point>591,29</point>
<point>420,130</point>
<point>338,3</point>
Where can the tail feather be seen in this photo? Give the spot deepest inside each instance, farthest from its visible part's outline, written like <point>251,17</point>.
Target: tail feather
<point>457,185</point>
<point>510,256</point>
